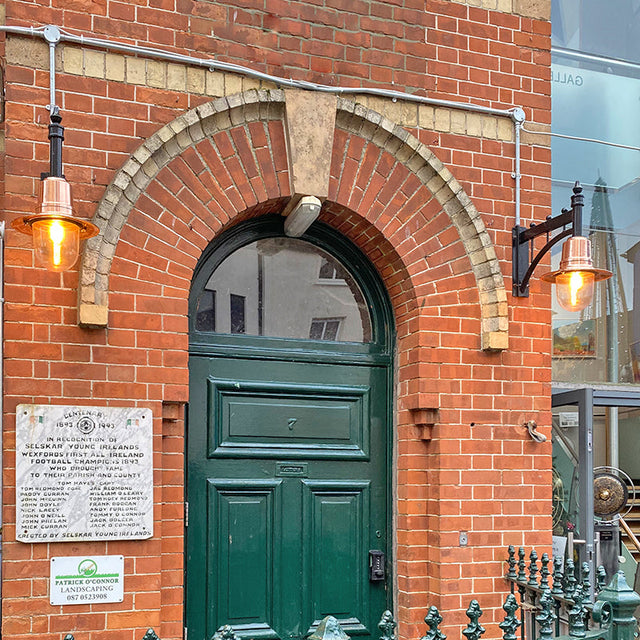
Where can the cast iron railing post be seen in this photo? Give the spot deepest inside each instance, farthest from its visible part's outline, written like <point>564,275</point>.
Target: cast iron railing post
<point>615,605</point>
<point>387,626</point>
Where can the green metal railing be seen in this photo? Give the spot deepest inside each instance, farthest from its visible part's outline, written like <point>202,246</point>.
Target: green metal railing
<point>552,604</point>
<point>560,603</point>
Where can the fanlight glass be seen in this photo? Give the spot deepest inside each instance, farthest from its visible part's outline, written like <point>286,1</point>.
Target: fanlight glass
<point>284,288</point>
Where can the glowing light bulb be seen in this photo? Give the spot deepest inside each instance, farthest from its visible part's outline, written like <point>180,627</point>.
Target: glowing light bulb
<point>574,289</point>
<point>576,282</point>
<point>56,241</point>
<point>56,234</point>
<point>576,277</point>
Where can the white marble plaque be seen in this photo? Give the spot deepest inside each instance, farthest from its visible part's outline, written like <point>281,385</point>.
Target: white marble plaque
<point>86,579</point>
<point>83,473</point>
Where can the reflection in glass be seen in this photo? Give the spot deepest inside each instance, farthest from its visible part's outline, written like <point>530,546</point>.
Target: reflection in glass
<point>597,98</point>
<point>237,313</point>
<point>206,311</point>
<point>565,471</point>
<point>324,328</point>
<point>565,437</point>
<point>284,288</point>
<point>601,343</point>
<point>609,29</point>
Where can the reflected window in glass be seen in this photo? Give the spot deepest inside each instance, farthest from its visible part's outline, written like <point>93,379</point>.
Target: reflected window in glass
<point>206,311</point>
<point>324,328</point>
<point>237,308</point>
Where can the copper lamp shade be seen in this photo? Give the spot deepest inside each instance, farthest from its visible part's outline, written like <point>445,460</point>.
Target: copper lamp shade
<point>576,276</point>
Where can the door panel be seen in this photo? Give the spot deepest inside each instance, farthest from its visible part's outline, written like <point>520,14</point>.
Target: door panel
<point>336,527</point>
<point>287,420</point>
<point>243,521</point>
<point>287,476</point>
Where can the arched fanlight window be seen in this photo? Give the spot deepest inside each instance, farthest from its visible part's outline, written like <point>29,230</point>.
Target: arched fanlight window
<point>283,287</point>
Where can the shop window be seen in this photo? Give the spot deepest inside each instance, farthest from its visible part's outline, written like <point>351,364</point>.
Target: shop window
<point>595,94</point>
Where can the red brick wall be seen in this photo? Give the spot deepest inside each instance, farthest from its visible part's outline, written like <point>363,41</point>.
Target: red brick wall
<point>479,473</point>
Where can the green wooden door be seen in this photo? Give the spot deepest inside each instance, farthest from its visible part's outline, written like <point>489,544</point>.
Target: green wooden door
<point>287,481</point>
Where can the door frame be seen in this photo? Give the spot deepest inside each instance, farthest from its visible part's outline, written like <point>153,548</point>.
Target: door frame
<point>379,352</point>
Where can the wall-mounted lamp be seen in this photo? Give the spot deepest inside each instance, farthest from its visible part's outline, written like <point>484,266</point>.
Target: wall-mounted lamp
<point>304,214</point>
<point>56,232</point>
<point>576,276</point>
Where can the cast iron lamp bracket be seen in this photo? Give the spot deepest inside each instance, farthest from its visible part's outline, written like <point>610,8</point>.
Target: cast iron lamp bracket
<point>525,260</point>
<point>576,275</point>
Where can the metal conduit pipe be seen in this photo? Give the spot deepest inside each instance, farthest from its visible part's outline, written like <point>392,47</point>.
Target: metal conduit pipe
<point>516,175</point>
<point>553,134</point>
<point>53,35</point>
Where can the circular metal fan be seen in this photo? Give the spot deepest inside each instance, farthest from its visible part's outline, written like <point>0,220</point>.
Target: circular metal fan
<point>611,488</point>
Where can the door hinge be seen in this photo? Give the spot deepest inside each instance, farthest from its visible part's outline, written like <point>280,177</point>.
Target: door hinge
<point>186,520</point>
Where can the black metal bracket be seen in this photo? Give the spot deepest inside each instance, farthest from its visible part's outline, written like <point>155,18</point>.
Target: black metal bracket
<point>524,258</point>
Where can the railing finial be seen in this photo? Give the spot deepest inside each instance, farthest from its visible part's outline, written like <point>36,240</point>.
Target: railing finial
<point>433,619</point>
<point>387,626</point>
<point>510,623</point>
<point>474,629</point>
<point>546,617</point>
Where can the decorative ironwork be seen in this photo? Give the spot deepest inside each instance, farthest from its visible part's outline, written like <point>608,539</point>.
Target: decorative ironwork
<point>544,572</point>
<point>474,629</point>
<point>533,569</point>
<point>433,619</point>
<point>577,614</point>
<point>546,616</point>
<point>387,626</point>
<point>511,574</point>
<point>522,565</point>
<point>558,576</point>
<point>569,579</point>
<point>586,579</point>
<point>510,623</point>
<point>328,629</point>
<point>567,605</point>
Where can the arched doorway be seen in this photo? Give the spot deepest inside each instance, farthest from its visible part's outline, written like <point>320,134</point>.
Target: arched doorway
<point>289,435</point>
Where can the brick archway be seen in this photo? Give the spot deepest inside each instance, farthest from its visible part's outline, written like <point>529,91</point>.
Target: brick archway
<point>227,158</point>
